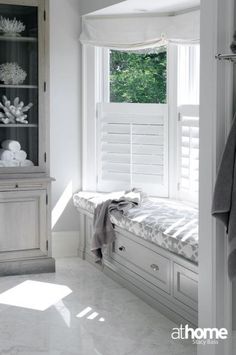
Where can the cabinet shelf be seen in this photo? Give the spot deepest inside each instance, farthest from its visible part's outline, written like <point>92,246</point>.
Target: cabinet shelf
<point>17,39</point>
<point>2,86</point>
<point>15,125</point>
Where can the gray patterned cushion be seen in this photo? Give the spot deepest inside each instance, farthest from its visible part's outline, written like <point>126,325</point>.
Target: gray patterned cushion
<point>167,223</point>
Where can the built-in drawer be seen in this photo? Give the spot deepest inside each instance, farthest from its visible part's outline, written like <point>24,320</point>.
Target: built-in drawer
<point>21,185</point>
<point>186,286</point>
<point>146,263</point>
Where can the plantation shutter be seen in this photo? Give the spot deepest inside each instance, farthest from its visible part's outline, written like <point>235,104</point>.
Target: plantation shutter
<point>132,146</point>
<point>189,152</point>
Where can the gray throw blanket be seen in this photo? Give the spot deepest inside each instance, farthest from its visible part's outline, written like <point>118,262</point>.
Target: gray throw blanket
<point>224,200</point>
<point>102,227</point>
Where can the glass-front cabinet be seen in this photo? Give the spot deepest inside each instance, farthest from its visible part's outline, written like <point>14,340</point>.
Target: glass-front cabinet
<point>22,87</point>
<point>25,183</point>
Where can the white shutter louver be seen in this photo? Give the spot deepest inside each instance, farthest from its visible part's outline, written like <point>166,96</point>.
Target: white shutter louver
<point>132,146</point>
<point>189,151</point>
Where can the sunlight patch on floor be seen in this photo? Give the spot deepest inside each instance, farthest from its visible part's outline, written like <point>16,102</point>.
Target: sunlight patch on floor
<point>34,295</point>
<point>91,316</point>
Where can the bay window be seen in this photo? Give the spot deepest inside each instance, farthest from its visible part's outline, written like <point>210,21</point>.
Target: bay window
<point>136,129</point>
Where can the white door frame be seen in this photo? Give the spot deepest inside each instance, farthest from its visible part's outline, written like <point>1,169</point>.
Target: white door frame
<point>215,291</point>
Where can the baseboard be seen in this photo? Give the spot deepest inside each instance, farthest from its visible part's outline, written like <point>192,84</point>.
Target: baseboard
<point>81,254</point>
<point>65,244</point>
<point>27,266</point>
<point>91,260</point>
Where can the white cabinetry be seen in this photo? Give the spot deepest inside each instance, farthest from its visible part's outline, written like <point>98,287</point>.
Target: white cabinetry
<point>25,238</point>
<point>165,280</point>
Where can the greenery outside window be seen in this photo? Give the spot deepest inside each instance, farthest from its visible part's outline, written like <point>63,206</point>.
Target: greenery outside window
<point>138,77</point>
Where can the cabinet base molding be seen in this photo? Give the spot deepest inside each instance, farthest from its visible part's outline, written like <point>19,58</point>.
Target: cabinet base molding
<point>176,314</point>
<point>27,266</point>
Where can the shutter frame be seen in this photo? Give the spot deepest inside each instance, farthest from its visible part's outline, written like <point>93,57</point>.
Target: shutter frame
<point>188,151</point>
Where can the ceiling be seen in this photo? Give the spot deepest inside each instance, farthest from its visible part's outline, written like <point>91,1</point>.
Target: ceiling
<point>148,6</point>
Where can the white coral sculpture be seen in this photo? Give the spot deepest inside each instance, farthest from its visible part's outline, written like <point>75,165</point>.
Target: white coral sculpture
<point>12,74</point>
<point>14,113</point>
<point>11,27</point>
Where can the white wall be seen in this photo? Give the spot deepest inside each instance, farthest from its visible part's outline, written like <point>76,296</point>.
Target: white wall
<point>65,113</point>
<point>65,120</point>
<point>87,6</point>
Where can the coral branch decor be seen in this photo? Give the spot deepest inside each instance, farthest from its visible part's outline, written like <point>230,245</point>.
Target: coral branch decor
<point>12,74</point>
<point>13,113</point>
<point>11,27</point>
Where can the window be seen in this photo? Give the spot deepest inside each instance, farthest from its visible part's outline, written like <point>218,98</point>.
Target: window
<point>188,74</point>
<point>141,121</point>
<point>138,77</point>
<point>132,129</point>
<point>188,121</point>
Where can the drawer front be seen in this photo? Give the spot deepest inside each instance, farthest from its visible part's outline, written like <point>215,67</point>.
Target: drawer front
<point>148,264</point>
<point>186,286</point>
<point>19,185</point>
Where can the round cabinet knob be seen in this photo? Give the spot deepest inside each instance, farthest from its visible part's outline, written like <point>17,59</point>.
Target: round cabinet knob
<point>122,248</point>
<point>16,186</point>
<point>154,267</point>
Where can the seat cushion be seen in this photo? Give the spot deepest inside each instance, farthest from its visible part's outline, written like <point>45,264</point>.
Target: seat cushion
<point>170,224</point>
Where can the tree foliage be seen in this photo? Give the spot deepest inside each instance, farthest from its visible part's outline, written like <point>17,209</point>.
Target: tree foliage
<point>138,78</point>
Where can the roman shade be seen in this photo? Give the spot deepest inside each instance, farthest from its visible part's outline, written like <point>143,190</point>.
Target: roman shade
<point>140,31</point>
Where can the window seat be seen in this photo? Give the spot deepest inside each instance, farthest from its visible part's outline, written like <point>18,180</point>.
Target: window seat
<point>170,224</point>
<point>154,254</point>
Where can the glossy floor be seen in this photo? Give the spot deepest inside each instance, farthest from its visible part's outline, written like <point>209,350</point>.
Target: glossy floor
<point>78,310</point>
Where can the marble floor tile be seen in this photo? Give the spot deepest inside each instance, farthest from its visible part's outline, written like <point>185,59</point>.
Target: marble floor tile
<point>94,316</point>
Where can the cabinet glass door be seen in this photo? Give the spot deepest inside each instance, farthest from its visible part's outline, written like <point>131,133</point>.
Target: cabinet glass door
<point>19,87</point>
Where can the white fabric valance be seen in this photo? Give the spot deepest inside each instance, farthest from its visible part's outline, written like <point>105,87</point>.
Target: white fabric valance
<point>139,32</point>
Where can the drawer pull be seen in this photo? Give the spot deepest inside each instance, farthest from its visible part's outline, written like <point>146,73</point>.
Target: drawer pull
<point>16,186</point>
<point>154,267</point>
<point>122,248</point>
